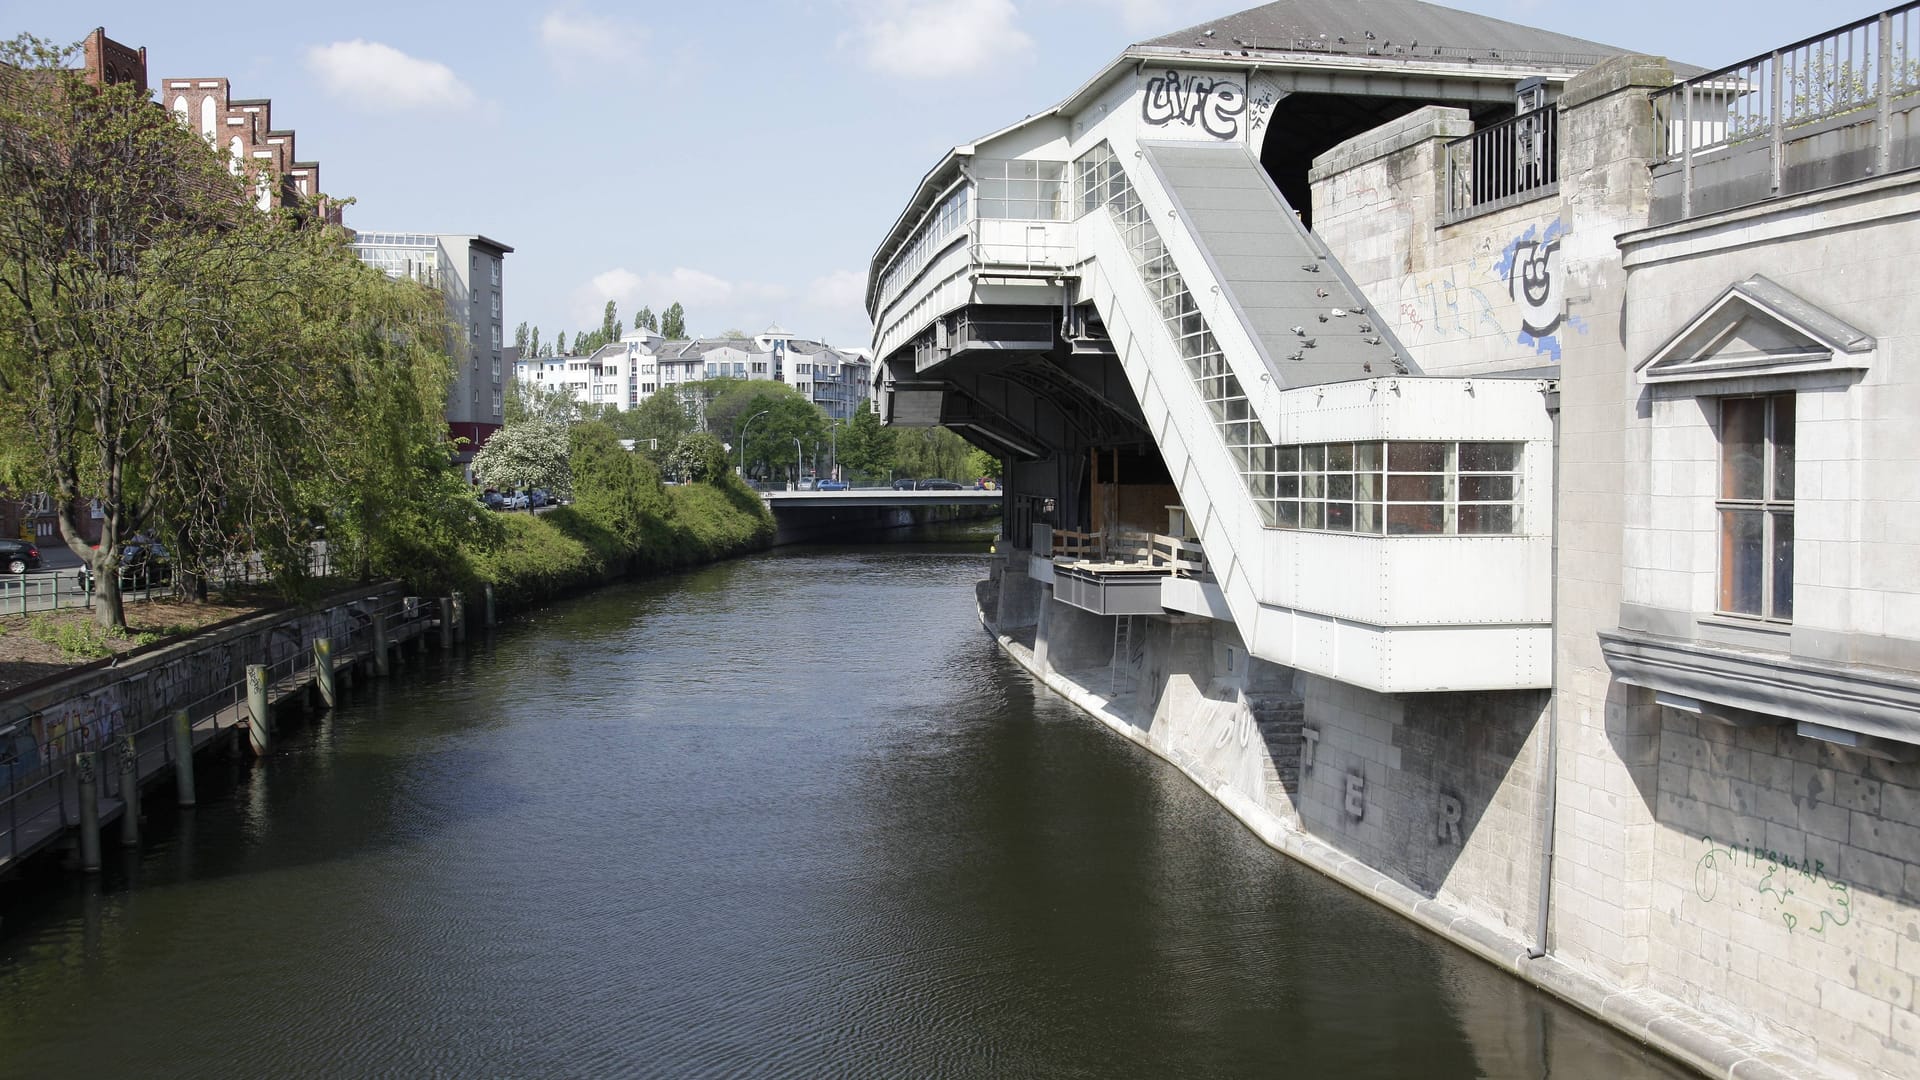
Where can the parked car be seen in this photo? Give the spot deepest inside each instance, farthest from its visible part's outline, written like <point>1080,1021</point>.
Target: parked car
<point>518,501</point>
<point>905,483</point>
<point>19,556</point>
<point>144,564</point>
<point>936,484</point>
<point>986,483</point>
<point>538,497</point>
<point>832,485</point>
<point>805,483</point>
<point>493,500</point>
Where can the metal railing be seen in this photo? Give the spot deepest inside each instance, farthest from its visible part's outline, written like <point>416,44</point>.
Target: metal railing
<point>1858,68</point>
<point>73,588</point>
<point>1507,162</point>
<point>1176,555</point>
<point>38,767</point>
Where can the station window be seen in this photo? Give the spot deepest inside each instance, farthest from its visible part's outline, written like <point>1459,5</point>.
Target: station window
<point>1393,488</point>
<point>1755,506</point>
<point>1019,190</point>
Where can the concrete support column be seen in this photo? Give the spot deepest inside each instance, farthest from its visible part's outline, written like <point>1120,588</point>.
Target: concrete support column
<point>183,757</point>
<point>323,671</point>
<point>459,617</point>
<point>260,716</point>
<point>446,622</point>
<point>382,659</point>
<point>129,793</point>
<point>490,613</point>
<point>86,772</point>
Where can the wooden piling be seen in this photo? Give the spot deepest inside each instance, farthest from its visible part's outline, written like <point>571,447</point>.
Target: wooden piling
<point>382,660</point>
<point>129,793</point>
<point>259,713</point>
<point>323,675</point>
<point>183,757</point>
<point>85,767</point>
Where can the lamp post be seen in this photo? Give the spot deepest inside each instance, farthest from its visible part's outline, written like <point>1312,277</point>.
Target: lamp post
<point>796,460</point>
<point>743,440</point>
<point>833,448</point>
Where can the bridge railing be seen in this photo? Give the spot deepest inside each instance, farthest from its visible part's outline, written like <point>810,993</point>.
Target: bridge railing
<point>1811,114</point>
<point>1176,555</point>
<point>1512,161</point>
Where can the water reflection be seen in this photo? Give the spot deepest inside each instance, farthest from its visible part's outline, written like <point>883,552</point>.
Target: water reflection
<point>790,816</point>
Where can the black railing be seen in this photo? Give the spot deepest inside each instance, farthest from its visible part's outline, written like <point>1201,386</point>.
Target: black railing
<point>1503,163</point>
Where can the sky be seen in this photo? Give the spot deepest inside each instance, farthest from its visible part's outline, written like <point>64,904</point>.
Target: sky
<point>744,159</point>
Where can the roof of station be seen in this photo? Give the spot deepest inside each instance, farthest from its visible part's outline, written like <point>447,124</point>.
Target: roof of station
<point>1383,28</point>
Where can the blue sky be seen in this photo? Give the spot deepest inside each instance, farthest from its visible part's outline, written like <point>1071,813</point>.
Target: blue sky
<point>742,158</point>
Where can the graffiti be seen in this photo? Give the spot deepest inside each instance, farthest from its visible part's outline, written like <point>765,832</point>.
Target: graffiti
<point>1309,740</point>
<point>1264,99</point>
<point>1197,101</point>
<point>1536,282</point>
<point>1356,796</point>
<point>1795,890</point>
<point>1447,829</point>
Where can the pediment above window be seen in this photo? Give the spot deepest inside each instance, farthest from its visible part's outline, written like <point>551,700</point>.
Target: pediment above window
<point>1757,328</point>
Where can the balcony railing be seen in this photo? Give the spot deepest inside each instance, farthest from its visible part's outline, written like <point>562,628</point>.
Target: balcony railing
<point>1508,162</point>
<point>1794,105</point>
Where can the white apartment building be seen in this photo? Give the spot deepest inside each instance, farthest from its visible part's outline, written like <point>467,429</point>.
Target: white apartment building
<point>467,269</point>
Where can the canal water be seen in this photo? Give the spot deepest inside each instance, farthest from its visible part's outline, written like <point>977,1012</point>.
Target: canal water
<point>792,816</point>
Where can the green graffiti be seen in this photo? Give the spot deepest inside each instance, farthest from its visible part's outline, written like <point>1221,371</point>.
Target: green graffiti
<point>1782,881</point>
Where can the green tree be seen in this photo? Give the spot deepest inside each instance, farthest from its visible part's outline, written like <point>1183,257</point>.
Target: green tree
<point>560,343</point>
<point>528,454</point>
<point>520,339</point>
<point>616,489</point>
<point>866,448</point>
<point>609,325</point>
<point>673,322</point>
<point>646,320</point>
<point>699,458</point>
<point>183,359</point>
<point>533,344</point>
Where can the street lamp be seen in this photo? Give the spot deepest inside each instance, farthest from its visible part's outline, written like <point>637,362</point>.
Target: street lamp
<point>743,440</point>
<point>796,459</point>
<point>833,449</point>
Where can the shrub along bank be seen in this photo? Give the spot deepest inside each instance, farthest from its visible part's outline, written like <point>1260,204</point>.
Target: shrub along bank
<point>623,521</point>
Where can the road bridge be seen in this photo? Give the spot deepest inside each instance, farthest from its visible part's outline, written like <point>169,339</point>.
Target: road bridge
<point>812,516</point>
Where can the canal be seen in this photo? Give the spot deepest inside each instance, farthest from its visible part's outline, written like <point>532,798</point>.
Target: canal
<point>793,815</point>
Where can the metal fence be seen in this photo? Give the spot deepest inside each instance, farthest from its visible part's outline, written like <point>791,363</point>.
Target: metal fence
<point>1515,159</point>
<point>39,769</point>
<point>74,588</point>
<point>1857,68</point>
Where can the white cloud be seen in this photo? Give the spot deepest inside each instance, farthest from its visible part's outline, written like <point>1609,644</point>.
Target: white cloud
<point>934,39</point>
<point>572,37</point>
<point>1144,16</point>
<point>380,76</point>
<point>842,293</point>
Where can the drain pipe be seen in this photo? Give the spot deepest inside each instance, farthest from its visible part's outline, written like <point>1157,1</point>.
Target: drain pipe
<point>1550,391</point>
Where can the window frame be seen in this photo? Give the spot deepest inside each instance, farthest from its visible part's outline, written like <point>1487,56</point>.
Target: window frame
<point>1771,507</point>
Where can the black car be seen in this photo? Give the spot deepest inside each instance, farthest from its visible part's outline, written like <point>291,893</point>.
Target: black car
<point>905,483</point>
<point>143,565</point>
<point>18,556</point>
<point>938,485</point>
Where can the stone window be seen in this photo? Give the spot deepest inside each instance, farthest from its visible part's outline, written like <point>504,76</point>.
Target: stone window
<point>1755,506</point>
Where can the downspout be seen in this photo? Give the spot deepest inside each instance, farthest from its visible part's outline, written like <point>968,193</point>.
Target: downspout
<point>1550,778</point>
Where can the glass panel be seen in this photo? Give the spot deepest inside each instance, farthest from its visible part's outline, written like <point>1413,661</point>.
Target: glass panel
<point>1313,486</point>
<point>1340,516</point>
<point>1287,487</point>
<point>1740,561</point>
<point>1367,486</point>
<point>1366,456</point>
<point>1366,517</point>
<point>1340,456</point>
<point>1403,520</point>
<point>1485,519</point>
<point>1486,489</point>
<point>1340,486</point>
<point>1742,450</point>
<point>1313,458</point>
<point>1417,457</point>
<point>1783,409</point>
<point>1312,515</point>
<point>1416,488</point>
<point>1288,458</point>
<point>1488,456</point>
<point>1783,566</point>
<point>1287,515</point>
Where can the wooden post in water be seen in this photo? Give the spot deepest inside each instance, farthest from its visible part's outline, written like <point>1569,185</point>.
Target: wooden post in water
<point>459,617</point>
<point>446,622</point>
<point>183,757</point>
<point>84,766</point>
<point>129,793</point>
<point>490,618</point>
<point>382,660</point>
<point>323,670</point>
<point>260,716</point>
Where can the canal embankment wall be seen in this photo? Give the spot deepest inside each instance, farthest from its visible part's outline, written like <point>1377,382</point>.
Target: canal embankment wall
<point>1433,805</point>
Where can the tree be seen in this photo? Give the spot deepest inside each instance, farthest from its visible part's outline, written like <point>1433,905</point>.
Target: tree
<point>699,458</point>
<point>179,357</point>
<point>646,320</point>
<point>662,417</point>
<point>533,344</point>
<point>560,343</point>
<point>520,339</point>
<point>673,323</point>
<point>733,334</point>
<point>609,325</point>
<point>529,454</point>
<point>865,447</point>
<point>615,488</point>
